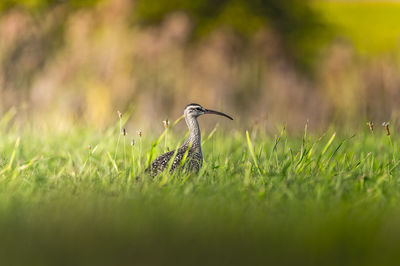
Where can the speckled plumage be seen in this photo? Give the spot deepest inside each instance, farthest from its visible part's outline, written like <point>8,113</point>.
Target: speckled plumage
<point>194,157</point>
<point>193,161</point>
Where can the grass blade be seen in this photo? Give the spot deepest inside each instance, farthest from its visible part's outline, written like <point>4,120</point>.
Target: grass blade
<point>113,162</point>
<point>328,144</point>
<point>251,149</point>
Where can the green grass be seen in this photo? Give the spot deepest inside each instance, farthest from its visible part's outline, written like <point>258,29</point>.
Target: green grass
<point>372,26</point>
<point>258,200</point>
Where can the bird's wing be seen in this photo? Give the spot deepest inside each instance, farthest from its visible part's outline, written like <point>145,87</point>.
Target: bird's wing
<point>193,162</point>
<point>160,163</point>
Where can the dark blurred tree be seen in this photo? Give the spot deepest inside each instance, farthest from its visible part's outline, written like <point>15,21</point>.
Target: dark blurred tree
<point>299,28</point>
<point>41,5</point>
<point>301,31</point>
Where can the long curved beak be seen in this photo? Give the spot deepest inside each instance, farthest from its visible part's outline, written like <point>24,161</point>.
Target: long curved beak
<point>217,113</point>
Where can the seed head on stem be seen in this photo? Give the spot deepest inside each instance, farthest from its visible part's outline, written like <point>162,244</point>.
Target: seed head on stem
<point>139,132</point>
<point>371,126</point>
<point>386,125</point>
<point>119,114</point>
<point>124,133</point>
<point>166,123</point>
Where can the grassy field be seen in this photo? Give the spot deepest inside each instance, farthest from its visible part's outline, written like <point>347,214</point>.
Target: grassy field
<point>330,199</point>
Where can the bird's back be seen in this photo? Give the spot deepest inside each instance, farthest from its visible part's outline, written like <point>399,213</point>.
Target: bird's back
<point>192,162</point>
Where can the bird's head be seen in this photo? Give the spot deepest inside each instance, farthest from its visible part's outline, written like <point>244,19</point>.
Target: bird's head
<point>195,110</point>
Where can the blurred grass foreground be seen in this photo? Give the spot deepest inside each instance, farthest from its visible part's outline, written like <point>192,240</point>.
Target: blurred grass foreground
<point>325,61</point>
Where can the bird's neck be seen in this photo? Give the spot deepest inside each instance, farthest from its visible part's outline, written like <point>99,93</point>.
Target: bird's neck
<point>194,139</point>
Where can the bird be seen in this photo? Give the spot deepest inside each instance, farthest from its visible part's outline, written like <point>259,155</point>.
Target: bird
<point>191,148</point>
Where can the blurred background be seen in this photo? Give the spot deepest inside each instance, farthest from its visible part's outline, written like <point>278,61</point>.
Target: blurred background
<point>263,61</point>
